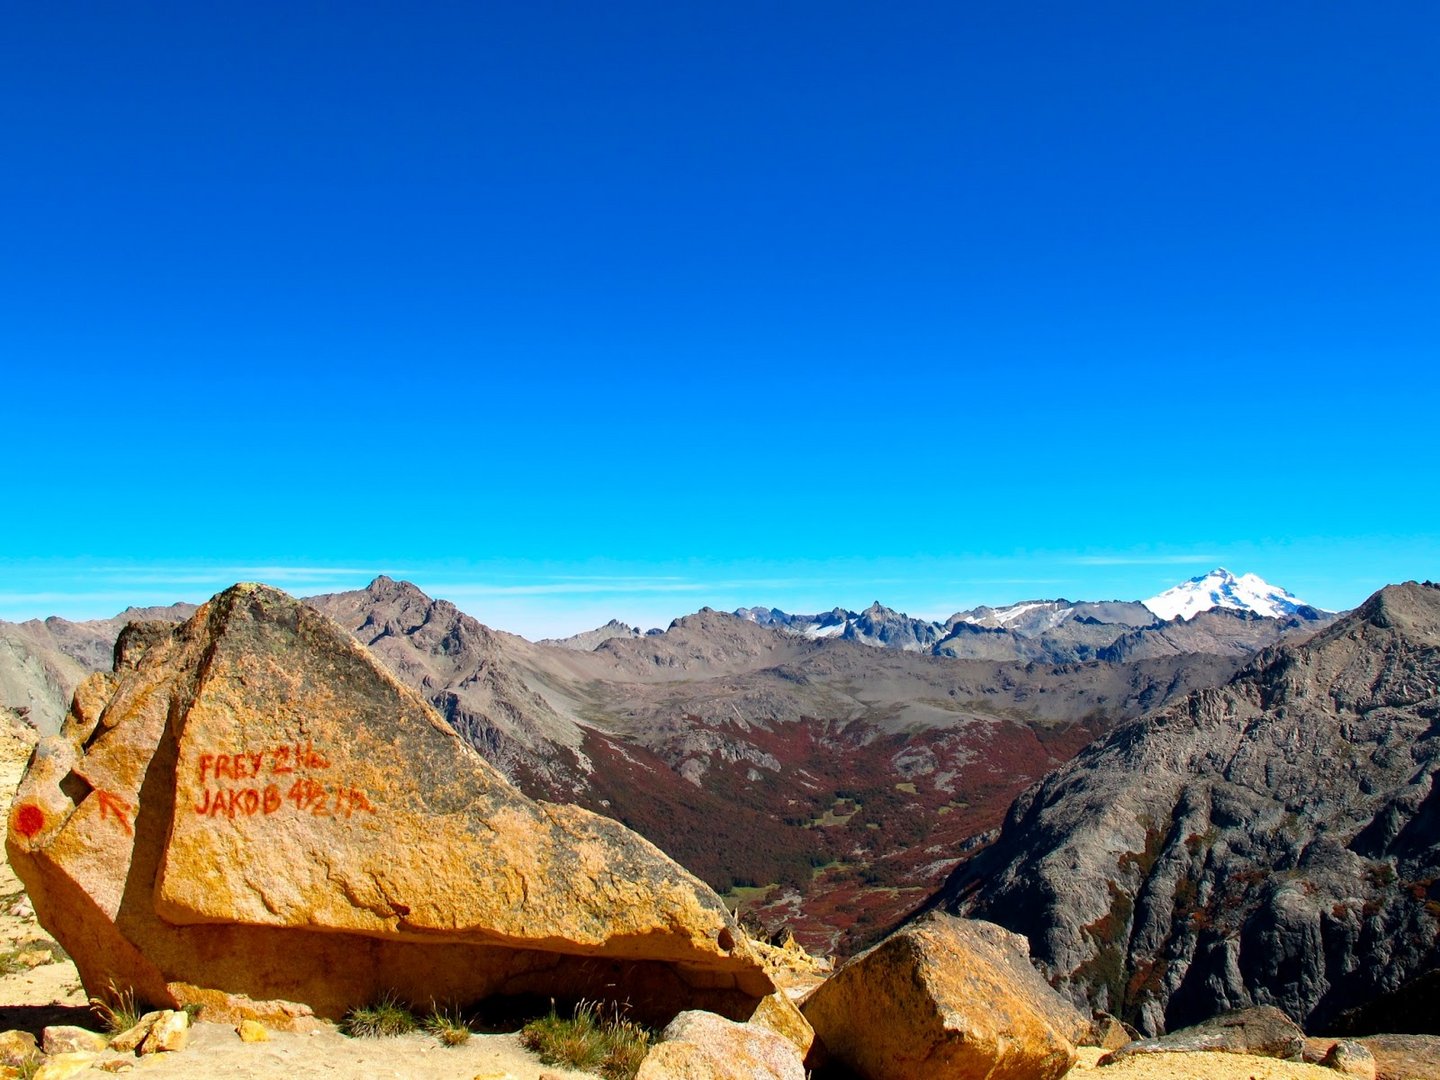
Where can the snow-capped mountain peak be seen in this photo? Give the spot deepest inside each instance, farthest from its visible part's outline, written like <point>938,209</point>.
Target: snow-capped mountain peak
<point>1221,588</point>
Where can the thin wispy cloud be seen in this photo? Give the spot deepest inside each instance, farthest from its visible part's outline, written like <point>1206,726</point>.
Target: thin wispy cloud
<point>1142,560</point>
<point>12,599</point>
<point>201,573</point>
<point>450,590</point>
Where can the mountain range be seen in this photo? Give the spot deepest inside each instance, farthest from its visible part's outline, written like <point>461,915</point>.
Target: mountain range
<point>824,782</point>
<point>1215,612</point>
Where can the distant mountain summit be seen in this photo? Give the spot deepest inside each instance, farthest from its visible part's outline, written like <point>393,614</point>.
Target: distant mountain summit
<point>1221,588</point>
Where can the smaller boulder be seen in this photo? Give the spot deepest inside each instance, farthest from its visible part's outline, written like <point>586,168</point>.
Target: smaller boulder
<point>1263,1031</point>
<point>1109,1033</point>
<point>132,1037</point>
<point>17,1047</point>
<point>1350,1059</point>
<point>171,1032</point>
<point>252,1031</point>
<point>65,1039</point>
<point>946,997</point>
<point>702,1046</point>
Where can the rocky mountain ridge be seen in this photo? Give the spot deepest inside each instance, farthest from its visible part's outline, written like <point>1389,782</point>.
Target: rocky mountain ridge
<point>1238,616</point>
<point>1275,840</point>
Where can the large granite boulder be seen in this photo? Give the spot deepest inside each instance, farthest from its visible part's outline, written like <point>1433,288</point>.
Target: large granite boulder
<point>945,999</point>
<point>251,813</point>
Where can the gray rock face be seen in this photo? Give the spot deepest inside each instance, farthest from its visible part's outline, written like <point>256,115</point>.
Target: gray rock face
<point>41,662</point>
<point>1273,841</point>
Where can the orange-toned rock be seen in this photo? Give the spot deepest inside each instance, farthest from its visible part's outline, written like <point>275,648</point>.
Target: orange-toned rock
<point>260,812</point>
<point>170,1032</point>
<point>779,1014</point>
<point>945,998</point>
<point>252,1031</point>
<point>702,1046</point>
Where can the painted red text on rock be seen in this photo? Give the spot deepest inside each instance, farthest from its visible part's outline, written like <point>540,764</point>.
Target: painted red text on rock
<point>287,783</point>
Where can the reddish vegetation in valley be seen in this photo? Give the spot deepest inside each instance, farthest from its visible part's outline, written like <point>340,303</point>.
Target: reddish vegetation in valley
<point>848,846</point>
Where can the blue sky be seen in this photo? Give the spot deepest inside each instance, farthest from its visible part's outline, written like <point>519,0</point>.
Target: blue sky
<point>571,311</point>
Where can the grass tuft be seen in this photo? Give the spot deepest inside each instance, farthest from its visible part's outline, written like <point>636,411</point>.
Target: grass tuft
<point>611,1045</point>
<point>447,1025</point>
<point>386,1017</point>
<point>120,1012</point>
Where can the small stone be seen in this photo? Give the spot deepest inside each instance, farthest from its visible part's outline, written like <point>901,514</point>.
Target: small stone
<point>33,958</point>
<point>171,1032</point>
<point>252,1031</point>
<point>21,909</point>
<point>65,1039</point>
<point>1108,1033</point>
<point>132,1037</point>
<point>17,1047</point>
<point>64,1066</point>
<point>1350,1059</point>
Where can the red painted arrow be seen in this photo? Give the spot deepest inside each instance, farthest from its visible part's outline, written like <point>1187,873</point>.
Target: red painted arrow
<point>113,805</point>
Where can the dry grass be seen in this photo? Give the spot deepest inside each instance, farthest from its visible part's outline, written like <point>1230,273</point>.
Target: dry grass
<point>447,1025</point>
<point>120,1012</point>
<point>612,1046</point>
<point>388,1016</point>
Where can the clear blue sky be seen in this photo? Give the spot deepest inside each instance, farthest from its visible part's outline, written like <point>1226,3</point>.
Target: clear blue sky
<point>572,310</point>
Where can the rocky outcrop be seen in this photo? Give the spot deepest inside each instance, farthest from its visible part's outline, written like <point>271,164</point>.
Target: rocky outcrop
<point>1262,1031</point>
<point>1404,1057</point>
<point>702,1046</point>
<point>1274,841</point>
<point>945,997</point>
<point>257,810</point>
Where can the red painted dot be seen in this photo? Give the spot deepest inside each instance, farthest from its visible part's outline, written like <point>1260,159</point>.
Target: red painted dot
<point>29,820</point>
